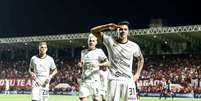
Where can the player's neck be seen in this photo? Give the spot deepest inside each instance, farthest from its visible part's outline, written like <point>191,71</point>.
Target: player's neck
<point>90,49</point>
<point>42,56</point>
<point>122,41</point>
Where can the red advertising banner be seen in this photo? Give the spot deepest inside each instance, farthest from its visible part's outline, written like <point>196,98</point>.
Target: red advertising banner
<point>16,82</point>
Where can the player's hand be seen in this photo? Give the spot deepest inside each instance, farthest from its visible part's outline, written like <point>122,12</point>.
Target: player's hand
<point>112,26</point>
<point>136,77</point>
<point>46,82</point>
<point>94,65</point>
<point>33,76</point>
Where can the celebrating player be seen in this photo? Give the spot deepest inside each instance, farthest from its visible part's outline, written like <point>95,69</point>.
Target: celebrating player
<point>121,52</point>
<point>91,59</point>
<point>40,68</point>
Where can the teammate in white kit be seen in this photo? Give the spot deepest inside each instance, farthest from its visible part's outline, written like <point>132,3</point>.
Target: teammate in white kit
<point>40,67</point>
<point>104,81</point>
<point>121,52</point>
<point>91,59</point>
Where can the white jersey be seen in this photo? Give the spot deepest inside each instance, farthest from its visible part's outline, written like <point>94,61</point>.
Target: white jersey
<point>41,66</point>
<point>89,58</point>
<point>121,57</point>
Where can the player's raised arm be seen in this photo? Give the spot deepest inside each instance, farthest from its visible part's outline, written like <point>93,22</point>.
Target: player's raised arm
<point>98,29</point>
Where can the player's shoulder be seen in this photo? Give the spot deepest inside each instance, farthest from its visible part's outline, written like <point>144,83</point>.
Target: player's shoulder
<point>34,57</point>
<point>99,49</point>
<point>84,50</point>
<point>49,57</point>
<point>133,44</point>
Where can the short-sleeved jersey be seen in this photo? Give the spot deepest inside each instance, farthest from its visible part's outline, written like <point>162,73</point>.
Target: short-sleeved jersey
<point>121,57</point>
<point>42,66</point>
<point>96,56</point>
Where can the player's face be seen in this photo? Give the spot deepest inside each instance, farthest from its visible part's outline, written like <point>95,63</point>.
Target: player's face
<point>42,49</point>
<point>92,43</point>
<point>123,31</point>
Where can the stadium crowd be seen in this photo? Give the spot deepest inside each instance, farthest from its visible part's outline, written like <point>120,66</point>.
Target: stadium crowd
<point>179,69</point>
<point>184,70</point>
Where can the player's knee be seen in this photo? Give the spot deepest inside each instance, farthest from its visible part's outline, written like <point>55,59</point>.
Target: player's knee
<point>83,99</point>
<point>95,100</point>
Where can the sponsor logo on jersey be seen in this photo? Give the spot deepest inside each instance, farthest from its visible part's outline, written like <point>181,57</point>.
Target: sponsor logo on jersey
<point>118,74</point>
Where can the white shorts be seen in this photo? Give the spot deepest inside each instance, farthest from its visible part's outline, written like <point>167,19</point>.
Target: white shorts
<point>40,94</point>
<point>103,91</point>
<point>121,90</point>
<point>90,89</point>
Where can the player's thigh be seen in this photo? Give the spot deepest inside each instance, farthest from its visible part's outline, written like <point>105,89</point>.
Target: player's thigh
<point>113,91</point>
<point>84,90</point>
<point>103,92</point>
<point>96,90</point>
<point>130,91</point>
<point>44,94</point>
<point>35,93</point>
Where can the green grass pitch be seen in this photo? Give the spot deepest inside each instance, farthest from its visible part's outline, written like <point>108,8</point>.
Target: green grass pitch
<point>18,97</point>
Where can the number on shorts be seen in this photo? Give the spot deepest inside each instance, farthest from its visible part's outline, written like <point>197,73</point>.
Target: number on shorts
<point>97,91</point>
<point>44,92</point>
<point>131,91</point>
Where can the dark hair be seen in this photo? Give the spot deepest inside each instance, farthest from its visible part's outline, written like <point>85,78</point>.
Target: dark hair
<point>123,23</point>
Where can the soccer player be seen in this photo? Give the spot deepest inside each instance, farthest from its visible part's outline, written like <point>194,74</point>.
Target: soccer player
<point>104,81</point>
<point>7,87</point>
<point>42,68</point>
<point>161,87</point>
<point>166,89</point>
<point>121,53</point>
<point>92,59</point>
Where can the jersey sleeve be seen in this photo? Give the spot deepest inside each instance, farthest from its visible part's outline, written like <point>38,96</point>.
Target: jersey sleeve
<point>31,64</point>
<point>137,51</point>
<point>53,65</point>
<point>102,55</point>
